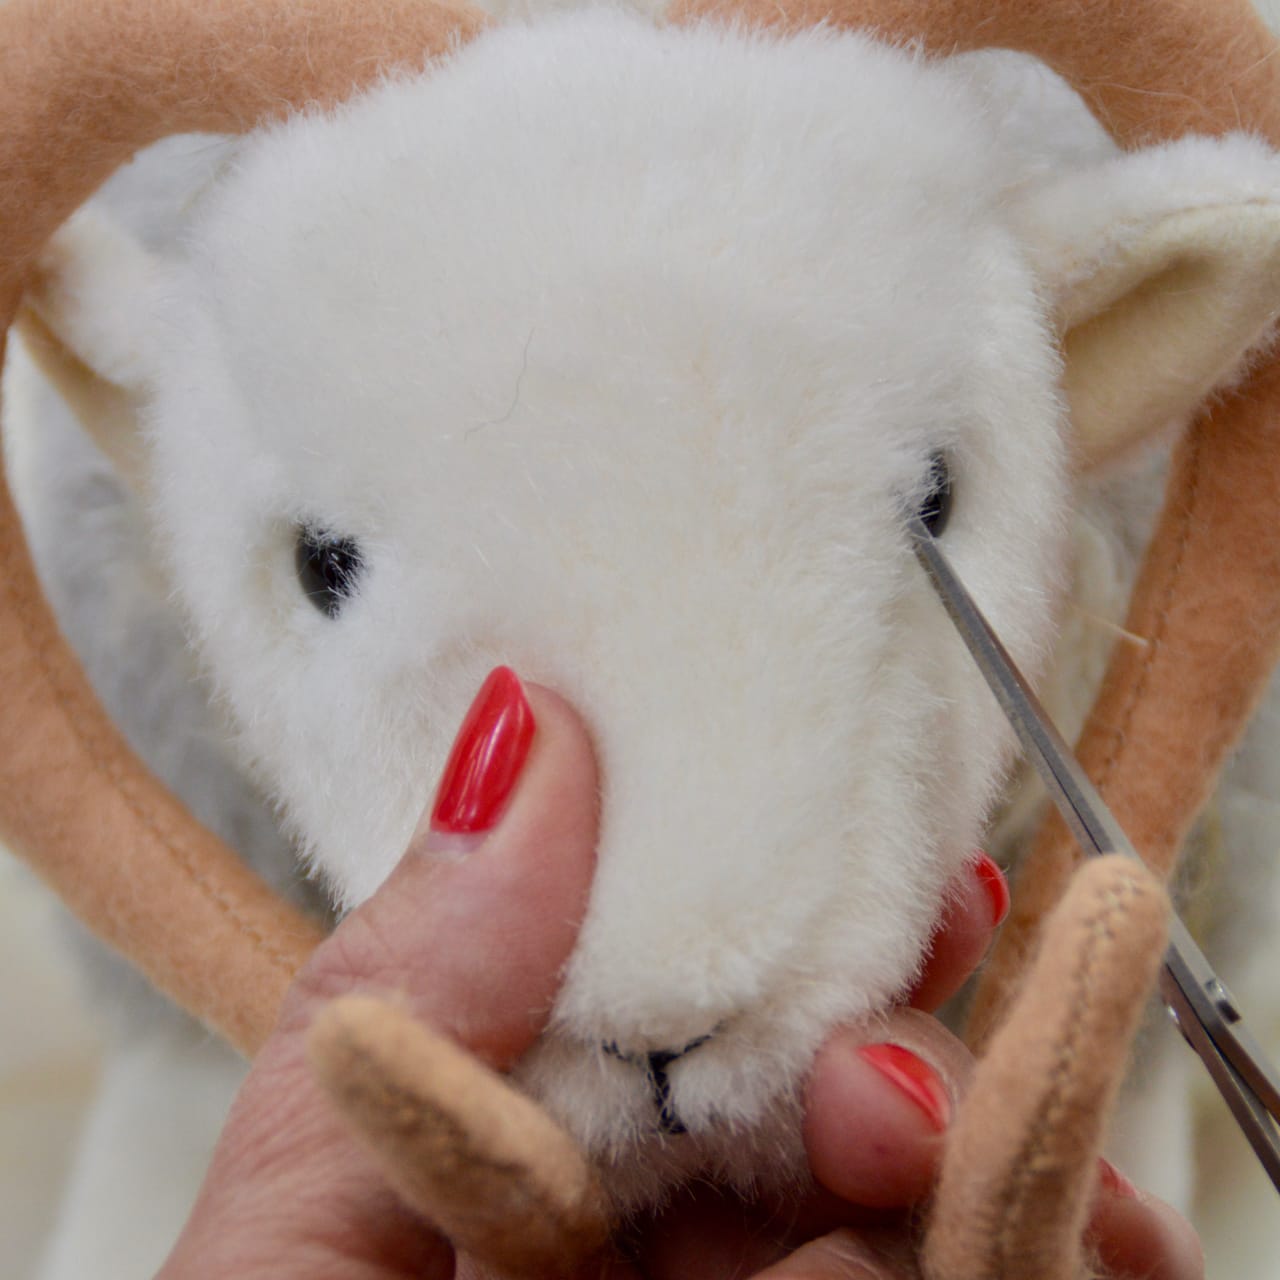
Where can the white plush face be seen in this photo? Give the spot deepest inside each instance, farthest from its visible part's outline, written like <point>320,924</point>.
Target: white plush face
<point>618,355</point>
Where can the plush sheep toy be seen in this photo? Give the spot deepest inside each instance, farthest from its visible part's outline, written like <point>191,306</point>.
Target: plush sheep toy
<point>617,351</point>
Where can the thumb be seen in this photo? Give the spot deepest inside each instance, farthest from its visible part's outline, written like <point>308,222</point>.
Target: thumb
<point>475,924</point>
<point>471,930</point>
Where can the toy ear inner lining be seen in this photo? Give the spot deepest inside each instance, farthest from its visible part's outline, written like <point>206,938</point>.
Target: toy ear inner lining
<point>105,410</point>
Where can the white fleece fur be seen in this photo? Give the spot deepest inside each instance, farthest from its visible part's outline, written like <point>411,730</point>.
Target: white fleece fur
<point>651,446</point>
<point>647,435</point>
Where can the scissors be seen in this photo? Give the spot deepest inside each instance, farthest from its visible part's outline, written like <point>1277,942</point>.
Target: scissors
<point>1201,1006</point>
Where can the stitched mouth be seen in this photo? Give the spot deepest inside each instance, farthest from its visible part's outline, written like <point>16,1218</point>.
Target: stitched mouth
<point>655,1066</point>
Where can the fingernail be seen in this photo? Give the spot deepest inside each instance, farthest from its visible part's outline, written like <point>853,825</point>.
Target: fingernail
<point>487,756</point>
<point>997,887</point>
<point>914,1077</point>
<point>1111,1179</point>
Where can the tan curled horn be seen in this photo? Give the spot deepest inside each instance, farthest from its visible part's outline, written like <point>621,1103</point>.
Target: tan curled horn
<point>83,85</point>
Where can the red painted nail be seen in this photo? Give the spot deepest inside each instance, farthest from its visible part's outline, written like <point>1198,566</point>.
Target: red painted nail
<point>1111,1179</point>
<point>915,1077</point>
<point>992,880</point>
<point>487,757</point>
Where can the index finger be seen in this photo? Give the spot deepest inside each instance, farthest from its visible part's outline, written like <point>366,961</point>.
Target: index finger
<point>875,1124</point>
<point>976,905</point>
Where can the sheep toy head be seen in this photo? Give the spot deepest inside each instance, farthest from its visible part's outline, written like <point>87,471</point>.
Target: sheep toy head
<point>617,353</point>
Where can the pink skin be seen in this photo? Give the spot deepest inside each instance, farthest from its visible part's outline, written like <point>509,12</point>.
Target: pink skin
<point>289,1194</point>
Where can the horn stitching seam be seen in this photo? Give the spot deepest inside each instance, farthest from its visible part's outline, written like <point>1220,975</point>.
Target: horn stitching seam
<point>113,775</point>
<point>1048,1116</point>
<point>1157,634</point>
<point>413,1113</point>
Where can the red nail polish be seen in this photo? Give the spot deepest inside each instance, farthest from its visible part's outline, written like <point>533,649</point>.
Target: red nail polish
<point>992,880</point>
<point>915,1077</point>
<point>1111,1179</point>
<point>487,757</point>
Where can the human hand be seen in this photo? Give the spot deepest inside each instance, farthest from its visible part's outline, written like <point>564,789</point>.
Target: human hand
<point>874,1134</point>
<point>472,930</point>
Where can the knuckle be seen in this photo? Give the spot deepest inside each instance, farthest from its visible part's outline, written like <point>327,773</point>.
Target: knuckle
<point>359,956</point>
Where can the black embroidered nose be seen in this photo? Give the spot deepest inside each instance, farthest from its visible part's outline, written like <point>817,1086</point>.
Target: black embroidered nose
<point>655,1067</point>
<point>657,1063</point>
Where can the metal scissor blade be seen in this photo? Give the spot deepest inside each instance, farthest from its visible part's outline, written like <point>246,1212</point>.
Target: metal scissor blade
<point>1254,1117</point>
<point>1201,1005</point>
<point>1215,1010</point>
<point>1079,803</point>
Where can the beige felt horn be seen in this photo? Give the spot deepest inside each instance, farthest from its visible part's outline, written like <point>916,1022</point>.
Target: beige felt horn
<point>1021,1159</point>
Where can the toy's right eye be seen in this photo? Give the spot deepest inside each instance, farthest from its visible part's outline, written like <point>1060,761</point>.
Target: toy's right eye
<point>935,509</point>
<point>328,568</point>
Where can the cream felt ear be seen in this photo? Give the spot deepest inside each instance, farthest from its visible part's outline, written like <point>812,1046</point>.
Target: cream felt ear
<point>1168,320</point>
<point>82,320</point>
<point>1161,286</point>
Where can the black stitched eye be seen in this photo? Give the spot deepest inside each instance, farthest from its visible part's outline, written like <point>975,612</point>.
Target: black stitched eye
<point>935,510</point>
<point>328,568</point>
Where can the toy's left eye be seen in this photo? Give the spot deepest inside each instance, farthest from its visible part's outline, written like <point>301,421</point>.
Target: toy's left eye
<point>328,568</point>
<point>935,510</point>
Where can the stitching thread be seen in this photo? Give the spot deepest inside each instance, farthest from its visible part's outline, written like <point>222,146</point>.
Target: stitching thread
<point>416,1114</point>
<point>1157,634</point>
